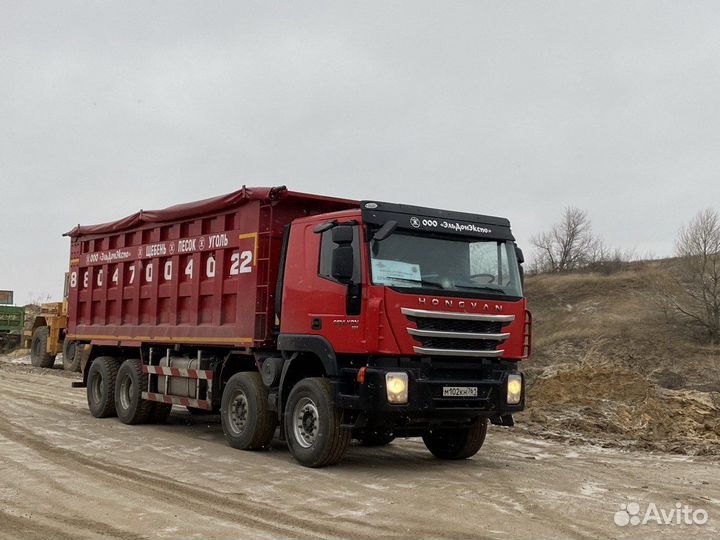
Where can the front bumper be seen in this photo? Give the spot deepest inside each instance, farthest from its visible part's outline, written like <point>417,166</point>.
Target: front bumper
<point>425,396</point>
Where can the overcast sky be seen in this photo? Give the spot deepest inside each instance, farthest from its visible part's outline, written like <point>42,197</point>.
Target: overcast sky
<point>507,108</point>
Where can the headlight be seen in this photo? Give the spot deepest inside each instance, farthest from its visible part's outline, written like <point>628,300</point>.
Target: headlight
<point>396,384</point>
<point>514,389</point>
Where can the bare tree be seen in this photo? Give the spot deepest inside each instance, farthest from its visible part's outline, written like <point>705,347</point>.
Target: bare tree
<point>606,260</point>
<point>568,246</point>
<point>693,290</point>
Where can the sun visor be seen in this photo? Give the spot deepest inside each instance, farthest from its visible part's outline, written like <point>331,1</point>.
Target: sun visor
<point>436,221</point>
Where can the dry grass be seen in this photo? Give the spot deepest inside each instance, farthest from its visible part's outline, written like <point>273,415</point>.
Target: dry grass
<point>610,365</point>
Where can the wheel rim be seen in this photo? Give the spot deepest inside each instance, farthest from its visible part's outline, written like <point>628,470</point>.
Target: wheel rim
<point>306,422</point>
<point>239,413</point>
<point>125,390</point>
<point>97,388</point>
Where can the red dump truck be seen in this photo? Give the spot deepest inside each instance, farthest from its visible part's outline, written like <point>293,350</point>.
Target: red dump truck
<point>331,319</point>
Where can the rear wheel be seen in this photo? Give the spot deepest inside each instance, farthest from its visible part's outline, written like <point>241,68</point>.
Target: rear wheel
<point>101,386</point>
<point>457,442</point>
<point>39,357</point>
<point>71,358</point>
<point>247,422</point>
<point>131,381</point>
<point>313,426</point>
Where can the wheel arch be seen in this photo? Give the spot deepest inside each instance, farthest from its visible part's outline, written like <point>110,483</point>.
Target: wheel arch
<point>305,355</point>
<point>297,367</point>
<point>236,363</point>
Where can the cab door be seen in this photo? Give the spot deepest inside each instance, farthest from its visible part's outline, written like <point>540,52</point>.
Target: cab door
<point>313,301</point>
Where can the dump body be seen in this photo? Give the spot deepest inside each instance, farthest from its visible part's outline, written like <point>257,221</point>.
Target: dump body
<point>197,274</point>
<point>12,319</point>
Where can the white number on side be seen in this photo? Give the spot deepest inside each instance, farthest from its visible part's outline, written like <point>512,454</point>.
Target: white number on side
<point>246,257</point>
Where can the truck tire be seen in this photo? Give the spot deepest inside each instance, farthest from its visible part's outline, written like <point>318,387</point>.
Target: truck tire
<point>376,438</point>
<point>39,357</point>
<point>313,426</point>
<point>71,358</point>
<point>247,422</point>
<point>101,386</point>
<point>131,382</point>
<point>160,412</point>
<point>457,443</point>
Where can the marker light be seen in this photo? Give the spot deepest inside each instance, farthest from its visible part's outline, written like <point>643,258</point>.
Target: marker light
<point>396,384</point>
<point>514,389</point>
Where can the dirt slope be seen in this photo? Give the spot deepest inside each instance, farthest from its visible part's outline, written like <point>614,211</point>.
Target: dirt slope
<point>611,367</point>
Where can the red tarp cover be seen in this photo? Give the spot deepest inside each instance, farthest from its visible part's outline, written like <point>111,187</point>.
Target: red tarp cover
<point>197,208</point>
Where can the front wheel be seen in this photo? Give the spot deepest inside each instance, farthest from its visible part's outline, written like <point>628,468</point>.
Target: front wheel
<point>313,426</point>
<point>456,442</point>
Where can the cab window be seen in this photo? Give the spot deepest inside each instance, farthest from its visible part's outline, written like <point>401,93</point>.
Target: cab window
<point>326,248</point>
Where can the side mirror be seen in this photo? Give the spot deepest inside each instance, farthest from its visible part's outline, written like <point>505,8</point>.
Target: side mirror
<point>343,262</point>
<point>520,259</point>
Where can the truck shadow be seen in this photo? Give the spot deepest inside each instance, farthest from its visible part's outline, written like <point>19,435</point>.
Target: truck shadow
<point>402,454</point>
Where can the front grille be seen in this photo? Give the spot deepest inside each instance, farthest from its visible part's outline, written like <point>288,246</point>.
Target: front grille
<point>443,333</point>
<point>450,325</point>
<point>458,344</point>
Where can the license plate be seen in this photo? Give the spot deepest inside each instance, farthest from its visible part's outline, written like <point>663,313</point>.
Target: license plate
<point>460,391</point>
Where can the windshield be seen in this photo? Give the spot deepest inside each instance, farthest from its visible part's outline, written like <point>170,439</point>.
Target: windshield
<point>457,264</point>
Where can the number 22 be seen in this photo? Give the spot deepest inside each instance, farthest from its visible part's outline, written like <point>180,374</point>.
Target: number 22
<point>241,263</point>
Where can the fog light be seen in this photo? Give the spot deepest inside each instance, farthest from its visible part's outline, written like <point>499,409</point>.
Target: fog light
<point>514,389</point>
<point>396,385</point>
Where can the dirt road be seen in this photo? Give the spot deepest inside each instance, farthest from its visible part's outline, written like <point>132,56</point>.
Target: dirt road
<point>64,474</point>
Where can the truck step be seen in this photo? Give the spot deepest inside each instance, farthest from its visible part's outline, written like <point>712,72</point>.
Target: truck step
<point>175,400</point>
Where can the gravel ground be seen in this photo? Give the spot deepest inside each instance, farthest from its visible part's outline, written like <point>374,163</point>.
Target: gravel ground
<point>64,474</point>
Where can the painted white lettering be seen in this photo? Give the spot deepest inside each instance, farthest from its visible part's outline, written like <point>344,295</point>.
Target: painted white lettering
<point>218,241</point>
<point>187,245</point>
<point>246,258</point>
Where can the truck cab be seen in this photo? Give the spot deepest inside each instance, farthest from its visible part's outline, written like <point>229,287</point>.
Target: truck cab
<point>417,314</point>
